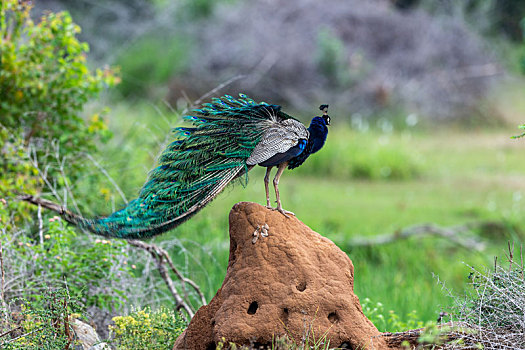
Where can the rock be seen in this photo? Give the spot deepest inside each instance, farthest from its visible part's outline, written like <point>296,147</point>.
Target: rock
<point>87,336</point>
<point>293,282</point>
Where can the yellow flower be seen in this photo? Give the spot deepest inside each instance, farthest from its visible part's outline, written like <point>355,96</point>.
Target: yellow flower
<point>106,193</point>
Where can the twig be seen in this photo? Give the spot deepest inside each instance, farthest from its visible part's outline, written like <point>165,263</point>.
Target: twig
<point>213,91</point>
<point>185,279</point>
<point>521,261</point>
<point>10,331</point>
<point>2,289</point>
<point>23,335</point>
<point>510,254</point>
<point>40,225</point>
<point>161,256</point>
<point>453,234</point>
<point>57,208</point>
<point>60,162</point>
<point>103,171</point>
<point>43,173</point>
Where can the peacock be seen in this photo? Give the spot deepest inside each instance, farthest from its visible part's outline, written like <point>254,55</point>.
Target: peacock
<point>228,137</point>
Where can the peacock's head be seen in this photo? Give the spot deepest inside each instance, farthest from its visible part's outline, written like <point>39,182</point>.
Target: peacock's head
<point>326,117</point>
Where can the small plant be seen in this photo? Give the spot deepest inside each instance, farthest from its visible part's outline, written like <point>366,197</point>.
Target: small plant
<point>146,329</point>
<point>390,322</point>
<point>44,325</point>
<point>522,134</point>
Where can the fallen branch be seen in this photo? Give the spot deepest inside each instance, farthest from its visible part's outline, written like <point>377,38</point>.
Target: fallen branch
<point>456,235</point>
<point>452,336</point>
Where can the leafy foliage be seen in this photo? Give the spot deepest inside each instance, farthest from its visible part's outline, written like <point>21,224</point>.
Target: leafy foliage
<point>147,329</point>
<point>44,81</point>
<point>56,254</point>
<point>44,84</point>
<point>390,322</point>
<point>520,135</point>
<point>46,325</point>
<point>17,172</point>
<point>331,58</point>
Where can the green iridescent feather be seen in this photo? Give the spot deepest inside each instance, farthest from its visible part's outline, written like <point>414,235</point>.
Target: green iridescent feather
<point>193,169</point>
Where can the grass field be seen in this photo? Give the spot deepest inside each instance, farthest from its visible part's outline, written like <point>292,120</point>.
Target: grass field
<point>363,183</point>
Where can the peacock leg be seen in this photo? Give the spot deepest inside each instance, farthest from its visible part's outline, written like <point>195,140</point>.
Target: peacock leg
<point>267,187</point>
<point>280,171</point>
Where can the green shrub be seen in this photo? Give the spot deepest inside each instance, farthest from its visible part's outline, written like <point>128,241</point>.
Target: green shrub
<point>390,322</point>
<point>44,84</point>
<point>44,325</point>
<point>45,81</point>
<point>56,254</point>
<point>146,329</point>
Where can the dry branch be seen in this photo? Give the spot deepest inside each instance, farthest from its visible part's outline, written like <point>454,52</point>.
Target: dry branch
<point>162,257</point>
<point>453,336</point>
<point>457,235</point>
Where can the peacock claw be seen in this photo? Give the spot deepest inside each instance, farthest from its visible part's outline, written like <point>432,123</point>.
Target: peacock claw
<point>286,213</point>
<point>282,211</point>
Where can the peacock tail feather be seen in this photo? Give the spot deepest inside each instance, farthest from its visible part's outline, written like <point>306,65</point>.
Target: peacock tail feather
<point>193,169</point>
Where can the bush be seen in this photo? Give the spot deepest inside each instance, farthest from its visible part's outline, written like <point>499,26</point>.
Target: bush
<point>147,329</point>
<point>44,84</point>
<point>390,322</point>
<point>44,81</point>
<point>56,254</point>
<point>494,309</point>
<point>42,326</point>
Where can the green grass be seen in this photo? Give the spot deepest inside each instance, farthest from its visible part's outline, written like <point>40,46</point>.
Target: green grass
<point>450,177</point>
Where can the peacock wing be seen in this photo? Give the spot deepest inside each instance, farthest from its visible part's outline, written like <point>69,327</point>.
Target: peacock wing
<point>279,138</point>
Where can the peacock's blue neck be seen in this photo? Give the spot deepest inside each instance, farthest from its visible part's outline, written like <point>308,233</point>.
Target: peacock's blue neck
<point>318,132</point>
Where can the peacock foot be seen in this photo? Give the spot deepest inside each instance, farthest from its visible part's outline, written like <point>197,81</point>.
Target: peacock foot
<point>284,212</point>
<point>260,231</point>
<point>281,210</point>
